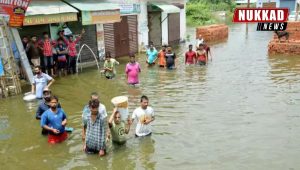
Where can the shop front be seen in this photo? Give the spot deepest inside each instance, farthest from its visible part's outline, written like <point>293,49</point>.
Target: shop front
<point>45,16</point>
<point>163,23</point>
<point>121,38</point>
<point>93,14</point>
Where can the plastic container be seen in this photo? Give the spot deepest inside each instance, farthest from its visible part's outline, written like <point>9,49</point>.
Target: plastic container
<point>121,102</point>
<point>29,97</point>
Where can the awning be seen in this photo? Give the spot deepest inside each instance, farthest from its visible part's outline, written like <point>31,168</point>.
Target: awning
<point>49,11</point>
<point>167,8</point>
<point>95,12</point>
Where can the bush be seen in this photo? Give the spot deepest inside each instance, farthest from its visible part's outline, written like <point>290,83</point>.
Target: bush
<point>199,12</point>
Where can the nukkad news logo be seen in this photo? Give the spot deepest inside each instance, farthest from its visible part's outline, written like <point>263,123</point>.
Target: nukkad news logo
<point>268,19</point>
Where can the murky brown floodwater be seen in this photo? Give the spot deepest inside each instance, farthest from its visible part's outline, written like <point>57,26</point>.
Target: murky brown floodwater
<point>239,112</point>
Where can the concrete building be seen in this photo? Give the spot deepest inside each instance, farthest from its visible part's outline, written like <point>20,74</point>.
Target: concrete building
<point>267,3</point>
<point>118,26</point>
<point>290,4</point>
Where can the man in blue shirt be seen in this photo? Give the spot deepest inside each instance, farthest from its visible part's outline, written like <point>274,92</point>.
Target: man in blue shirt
<point>1,67</point>
<point>54,121</point>
<point>151,55</point>
<point>43,106</point>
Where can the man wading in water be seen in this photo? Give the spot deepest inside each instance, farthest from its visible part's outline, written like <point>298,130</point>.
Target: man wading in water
<point>170,59</point>
<point>190,56</point>
<point>40,81</point>
<point>54,120</point>
<point>44,105</point>
<point>94,135</point>
<point>132,71</point>
<point>144,116</point>
<point>108,67</point>
<point>151,56</point>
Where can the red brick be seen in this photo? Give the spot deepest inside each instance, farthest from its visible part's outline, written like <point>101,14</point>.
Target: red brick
<point>213,32</point>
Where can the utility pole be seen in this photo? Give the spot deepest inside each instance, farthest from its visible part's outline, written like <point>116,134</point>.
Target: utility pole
<point>297,10</point>
<point>248,6</point>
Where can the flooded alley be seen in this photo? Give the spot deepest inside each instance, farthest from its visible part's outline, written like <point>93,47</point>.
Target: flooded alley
<point>241,111</point>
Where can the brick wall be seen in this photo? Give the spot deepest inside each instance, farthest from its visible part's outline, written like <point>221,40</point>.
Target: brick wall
<point>290,47</point>
<point>213,32</point>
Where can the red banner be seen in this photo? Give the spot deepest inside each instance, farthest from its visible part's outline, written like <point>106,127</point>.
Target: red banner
<point>15,9</point>
<point>260,15</point>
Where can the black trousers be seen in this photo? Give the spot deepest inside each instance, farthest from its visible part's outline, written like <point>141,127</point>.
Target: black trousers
<point>72,64</point>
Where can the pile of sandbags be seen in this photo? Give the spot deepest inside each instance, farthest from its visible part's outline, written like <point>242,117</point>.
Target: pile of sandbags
<point>213,32</point>
<point>290,47</point>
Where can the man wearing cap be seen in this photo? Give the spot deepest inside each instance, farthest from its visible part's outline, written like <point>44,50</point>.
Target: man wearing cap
<point>43,106</point>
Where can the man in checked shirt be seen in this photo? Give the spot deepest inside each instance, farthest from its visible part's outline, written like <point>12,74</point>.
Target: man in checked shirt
<point>94,132</point>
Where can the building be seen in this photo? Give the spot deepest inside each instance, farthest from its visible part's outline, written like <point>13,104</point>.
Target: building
<point>267,4</point>
<point>290,4</point>
<point>143,21</point>
<point>118,26</point>
<point>244,1</point>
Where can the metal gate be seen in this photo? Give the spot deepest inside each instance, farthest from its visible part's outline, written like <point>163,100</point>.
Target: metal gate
<point>154,24</point>
<point>109,39</point>
<point>120,39</point>
<point>174,28</point>
<point>89,38</point>
<point>133,38</point>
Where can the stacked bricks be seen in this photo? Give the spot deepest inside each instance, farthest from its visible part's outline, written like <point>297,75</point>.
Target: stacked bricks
<point>290,47</point>
<point>213,32</point>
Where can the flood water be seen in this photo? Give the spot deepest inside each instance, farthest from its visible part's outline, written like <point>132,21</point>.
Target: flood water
<point>239,112</point>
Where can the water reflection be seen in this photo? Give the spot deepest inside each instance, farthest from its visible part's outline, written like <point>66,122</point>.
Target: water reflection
<point>284,69</point>
<point>241,111</point>
<point>144,152</point>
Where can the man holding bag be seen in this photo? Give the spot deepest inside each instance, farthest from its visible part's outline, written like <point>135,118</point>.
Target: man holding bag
<point>144,116</point>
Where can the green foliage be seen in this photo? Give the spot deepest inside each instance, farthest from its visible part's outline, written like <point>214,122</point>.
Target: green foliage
<point>199,12</point>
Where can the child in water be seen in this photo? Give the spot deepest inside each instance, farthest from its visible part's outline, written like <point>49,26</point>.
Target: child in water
<point>118,128</point>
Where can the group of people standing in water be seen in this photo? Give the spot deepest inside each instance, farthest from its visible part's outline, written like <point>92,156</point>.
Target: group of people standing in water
<point>97,128</point>
<point>166,58</point>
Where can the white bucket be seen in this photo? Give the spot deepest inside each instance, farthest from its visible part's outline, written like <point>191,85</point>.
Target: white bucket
<point>121,102</point>
<point>29,97</point>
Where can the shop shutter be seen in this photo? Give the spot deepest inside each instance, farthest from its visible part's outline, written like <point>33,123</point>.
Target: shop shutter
<point>174,28</point>
<point>133,38</point>
<point>155,30</point>
<point>109,39</point>
<point>36,30</point>
<point>89,38</point>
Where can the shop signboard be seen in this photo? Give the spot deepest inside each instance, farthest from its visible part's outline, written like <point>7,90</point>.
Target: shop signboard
<point>15,9</point>
<point>100,17</point>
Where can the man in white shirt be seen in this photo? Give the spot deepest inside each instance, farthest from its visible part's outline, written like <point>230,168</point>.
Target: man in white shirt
<point>199,40</point>
<point>144,116</point>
